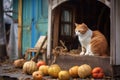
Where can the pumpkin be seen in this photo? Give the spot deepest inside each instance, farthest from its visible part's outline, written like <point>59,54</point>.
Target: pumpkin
<point>19,63</point>
<point>84,70</point>
<point>44,69</point>
<point>41,62</point>
<point>54,70</point>
<point>64,75</point>
<point>97,73</point>
<point>73,71</point>
<point>29,67</point>
<point>37,75</point>
<point>55,65</point>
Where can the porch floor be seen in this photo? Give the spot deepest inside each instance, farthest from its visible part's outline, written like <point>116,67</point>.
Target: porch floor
<point>9,72</point>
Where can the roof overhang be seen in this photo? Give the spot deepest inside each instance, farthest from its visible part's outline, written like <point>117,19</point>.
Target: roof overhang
<point>55,3</point>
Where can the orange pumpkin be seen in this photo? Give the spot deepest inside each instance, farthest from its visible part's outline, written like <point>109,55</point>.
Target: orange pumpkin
<point>19,63</point>
<point>97,73</point>
<point>73,71</point>
<point>37,75</point>
<point>41,62</point>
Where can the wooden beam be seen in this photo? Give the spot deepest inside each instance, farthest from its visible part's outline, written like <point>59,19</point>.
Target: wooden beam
<point>20,28</point>
<point>115,32</point>
<point>56,27</point>
<point>49,29</point>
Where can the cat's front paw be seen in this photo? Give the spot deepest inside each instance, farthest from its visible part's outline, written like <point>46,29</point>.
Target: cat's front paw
<point>86,54</point>
<point>89,54</point>
<point>82,53</point>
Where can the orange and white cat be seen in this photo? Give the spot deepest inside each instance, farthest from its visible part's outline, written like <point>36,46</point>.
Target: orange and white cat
<point>93,43</point>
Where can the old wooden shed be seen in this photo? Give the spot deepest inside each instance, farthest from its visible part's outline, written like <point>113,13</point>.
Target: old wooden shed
<point>57,18</point>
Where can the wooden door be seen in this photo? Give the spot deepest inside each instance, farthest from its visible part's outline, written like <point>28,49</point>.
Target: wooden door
<point>35,22</point>
<point>39,19</point>
<point>26,26</point>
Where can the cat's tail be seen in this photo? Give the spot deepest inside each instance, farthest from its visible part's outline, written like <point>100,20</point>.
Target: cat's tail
<point>107,53</point>
<point>104,55</point>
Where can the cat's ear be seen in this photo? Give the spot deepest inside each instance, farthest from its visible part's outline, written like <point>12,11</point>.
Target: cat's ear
<point>76,24</point>
<point>83,23</point>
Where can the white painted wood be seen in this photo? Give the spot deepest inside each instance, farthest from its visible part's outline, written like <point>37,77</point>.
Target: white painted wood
<point>55,3</point>
<point>51,5</point>
<point>115,32</point>
<point>49,29</point>
<point>112,30</point>
<point>106,2</point>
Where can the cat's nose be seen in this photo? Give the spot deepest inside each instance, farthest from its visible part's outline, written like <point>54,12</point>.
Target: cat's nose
<point>76,34</point>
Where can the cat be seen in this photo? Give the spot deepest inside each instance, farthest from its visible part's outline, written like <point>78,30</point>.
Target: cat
<point>93,43</point>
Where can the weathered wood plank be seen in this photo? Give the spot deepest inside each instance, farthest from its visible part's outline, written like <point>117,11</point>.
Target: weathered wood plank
<point>9,72</point>
<point>67,61</point>
<point>20,29</point>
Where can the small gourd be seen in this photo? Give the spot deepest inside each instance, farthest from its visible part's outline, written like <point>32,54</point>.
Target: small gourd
<point>19,63</point>
<point>64,75</point>
<point>44,69</point>
<point>84,70</point>
<point>29,67</point>
<point>37,75</point>
<point>73,71</point>
<point>97,73</point>
<point>54,70</point>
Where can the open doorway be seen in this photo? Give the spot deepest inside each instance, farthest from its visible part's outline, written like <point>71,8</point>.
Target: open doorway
<point>94,13</point>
